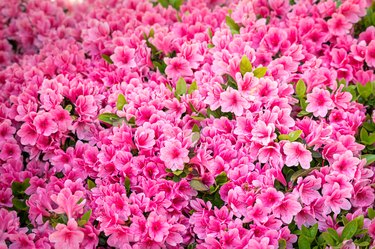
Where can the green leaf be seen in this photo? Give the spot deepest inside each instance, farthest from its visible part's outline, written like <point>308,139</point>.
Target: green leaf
<point>195,128</point>
<point>127,185</point>
<point>334,234</point>
<point>180,87</point>
<point>160,65</point>
<point>245,65</point>
<point>108,118</point>
<point>193,87</point>
<point>362,244</point>
<point>233,26</point>
<point>85,218</point>
<point>294,135</point>
<point>107,58</point>
<point>90,184</point>
<point>314,230</point>
<point>18,188</point>
<point>195,137</point>
<point>371,213</point>
<point>302,113</point>
<point>19,205</point>
<point>176,3</point>
<point>349,230</point>
<point>121,101</point>
<point>177,172</point>
<point>328,238</point>
<point>363,134</point>
<point>303,242</point>
<point>260,72</point>
<point>301,88</point>
<point>69,108</point>
<point>164,3</point>
<point>198,118</point>
<point>282,244</point>
<point>301,173</point>
<point>365,91</point>
<point>221,179</point>
<point>198,185</point>
<point>210,34</point>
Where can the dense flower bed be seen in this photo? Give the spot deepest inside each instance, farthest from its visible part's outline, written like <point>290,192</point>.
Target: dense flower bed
<point>197,124</point>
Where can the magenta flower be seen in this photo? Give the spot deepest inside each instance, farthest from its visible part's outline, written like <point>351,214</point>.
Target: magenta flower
<point>335,198</point>
<point>28,134</point>
<point>370,54</point>
<point>297,153</point>
<point>232,101</point>
<point>68,203</point>
<point>157,227</point>
<point>263,133</point>
<point>67,236</point>
<point>338,25</point>
<point>144,138</point>
<point>319,102</point>
<point>174,155</point>
<point>123,57</point>
<point>177,67</point>
<point>44,124</point>
<point>288,208</point>
<point>346,164</point>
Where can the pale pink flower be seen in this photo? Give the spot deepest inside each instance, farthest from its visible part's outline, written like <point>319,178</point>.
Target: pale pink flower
<point>174,155</point>
<point>67,236</point>
<point>319,102</point>
<point>297,153</point>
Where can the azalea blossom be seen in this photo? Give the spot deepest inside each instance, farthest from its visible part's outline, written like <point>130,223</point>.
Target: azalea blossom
<point>174,155</point>
<point>296,153</point>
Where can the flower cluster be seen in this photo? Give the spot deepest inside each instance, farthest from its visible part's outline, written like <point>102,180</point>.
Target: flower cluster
<point>187,124</point>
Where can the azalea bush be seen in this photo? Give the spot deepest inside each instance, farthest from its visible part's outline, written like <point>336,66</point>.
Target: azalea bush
<point>187,124</point>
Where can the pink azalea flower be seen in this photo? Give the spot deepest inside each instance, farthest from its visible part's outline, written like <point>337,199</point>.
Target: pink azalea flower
<point>370,54</point>
<point>68,202</point>
<point>177,67</point>
<point>346,164</point>
<point>263,133</point>
<point>336,198</point>
<point>288,208</point>
<point>338,25</point>
<point>28,134</point>
<point>297,153</point>
<point>174,155</point>
<point>157,227</point>
<point>10,151</point>
<point>144,138</point>
<point>44,124</point>
<point>67,236</point>
<point>308,189</point>
<point>271,197</point>
<point>232,101</point>
<point>123,57</point>
<point>319,102</point>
